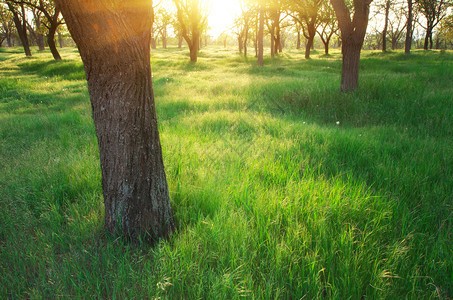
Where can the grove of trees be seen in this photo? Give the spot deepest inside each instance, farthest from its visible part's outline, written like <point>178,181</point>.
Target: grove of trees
<point>114,39</point>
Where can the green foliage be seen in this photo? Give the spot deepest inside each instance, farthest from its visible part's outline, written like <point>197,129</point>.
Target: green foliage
<point>282,186</point>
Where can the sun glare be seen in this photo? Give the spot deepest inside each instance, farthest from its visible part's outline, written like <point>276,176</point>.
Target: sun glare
<point>221,14</point>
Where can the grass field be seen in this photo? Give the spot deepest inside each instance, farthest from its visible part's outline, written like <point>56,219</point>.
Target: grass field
<point>282,187</point>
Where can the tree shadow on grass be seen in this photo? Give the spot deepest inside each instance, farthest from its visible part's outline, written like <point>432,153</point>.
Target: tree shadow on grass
<point>68,70</point>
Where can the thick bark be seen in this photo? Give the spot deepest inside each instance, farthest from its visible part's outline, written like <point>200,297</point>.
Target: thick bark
<point>408,44</point>
<point>350,70</point>
<point>113,38</point>
<point>260,37</point>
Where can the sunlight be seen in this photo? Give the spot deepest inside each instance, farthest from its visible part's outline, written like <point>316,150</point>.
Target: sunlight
<point>221,14</point>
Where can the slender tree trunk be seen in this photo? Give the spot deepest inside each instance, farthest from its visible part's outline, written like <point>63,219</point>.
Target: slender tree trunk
<point>308,47</point>
<point>260,37</point>
<point>246,37</point>
<point>273,41</point>
<point>113,38</point>
<point>51,43</point>
<point>298,40</point>
<point>21,27</point>
<point>8,40</point>
<point>427,37</point>
<point>408,44</point>
<point>60,40</point>
<point>326,47</point>
<point>386,23</point>
<point>164,37</point>
<point>39,36</point>
<point>180,39</point>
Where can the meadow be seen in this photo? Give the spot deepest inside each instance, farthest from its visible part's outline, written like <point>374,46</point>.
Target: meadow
<point>282,187</point>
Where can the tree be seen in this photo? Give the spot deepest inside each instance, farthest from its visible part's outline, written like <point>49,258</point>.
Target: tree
<point>409,27</point>
<point>352,34</point>
<point>386,8</point>
<point>397,24</point>
<point>6,26</point>
<point>192,18</point>
<point>434,11</point>
<point>328,24</point>
<point>113,38</point>
<point>260,34</point>
<point>162,21</point>
<point>446,30</point>
<point>307,14</point>
<point>52,19</point>
<point>20,21</point>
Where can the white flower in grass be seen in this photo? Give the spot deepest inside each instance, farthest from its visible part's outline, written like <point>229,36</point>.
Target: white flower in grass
<point>338,122</point>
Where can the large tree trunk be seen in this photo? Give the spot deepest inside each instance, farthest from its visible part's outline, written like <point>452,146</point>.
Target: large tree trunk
<point>352,33</point>
<point>408,44</point>
<point>350,70</point>
<point>51,43</point>
<point>113,38</point>
<point>260,37</point>
<point>194,47</point>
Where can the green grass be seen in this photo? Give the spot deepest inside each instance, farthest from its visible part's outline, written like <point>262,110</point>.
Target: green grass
<point>282,187</point>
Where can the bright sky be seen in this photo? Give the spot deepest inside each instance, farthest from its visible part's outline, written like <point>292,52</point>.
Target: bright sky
<point>222,14</point>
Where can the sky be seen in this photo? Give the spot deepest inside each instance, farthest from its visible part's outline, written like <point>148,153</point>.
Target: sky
<point>221,16</point>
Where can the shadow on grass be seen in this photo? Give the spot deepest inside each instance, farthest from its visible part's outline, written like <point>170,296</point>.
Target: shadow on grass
<point>68,70</point>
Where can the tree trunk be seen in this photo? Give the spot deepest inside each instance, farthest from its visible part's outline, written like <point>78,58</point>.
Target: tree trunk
<point>326,47</point>
<point>308,47</point>
<point>386,23</point>
<point>60,40</point>
<point>352,34</point>
<point>21,27</point>
<point>298,40</point>
<point>194,48</point>
<point>180,39</point>
<point>51,43</point>
<point>260,37</point>
<point>427,36</point>
<point>408,44</point>
<point>39,36</point>
<point>273,41</point>
<point>8,41</point>
<point>350,70</point>
<point>113,38</point>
